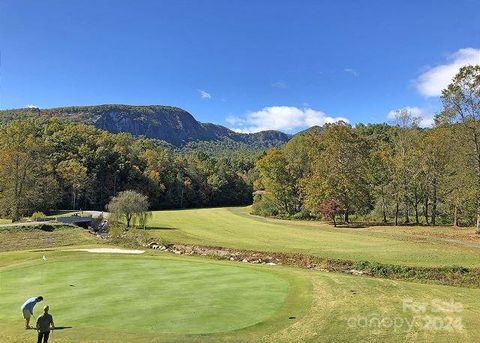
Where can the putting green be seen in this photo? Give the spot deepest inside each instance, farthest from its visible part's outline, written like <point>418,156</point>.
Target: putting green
<point>144,294</point>
<point>168,298</point>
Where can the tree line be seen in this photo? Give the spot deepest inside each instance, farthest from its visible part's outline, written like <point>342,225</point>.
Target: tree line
<point>390,173</point>
<point>55,164</point>
<point>397,173</point>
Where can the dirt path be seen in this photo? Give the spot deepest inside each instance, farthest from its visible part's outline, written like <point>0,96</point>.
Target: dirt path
<point>23,224</point>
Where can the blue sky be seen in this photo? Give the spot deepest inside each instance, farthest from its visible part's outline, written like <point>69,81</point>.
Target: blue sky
<point>249,65</point>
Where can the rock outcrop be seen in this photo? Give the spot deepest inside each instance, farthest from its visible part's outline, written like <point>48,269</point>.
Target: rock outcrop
<point>170,124</point>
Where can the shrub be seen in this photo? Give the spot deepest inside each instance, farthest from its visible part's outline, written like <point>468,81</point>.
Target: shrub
<point>116,230</point>
<point>37,215</point>
<point>302,215</point>
<point>263,205</point>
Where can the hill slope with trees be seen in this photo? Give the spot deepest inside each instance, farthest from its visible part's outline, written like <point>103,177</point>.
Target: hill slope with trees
<point>170,124</point>
<point>51,164</point>
<point>401,174</point>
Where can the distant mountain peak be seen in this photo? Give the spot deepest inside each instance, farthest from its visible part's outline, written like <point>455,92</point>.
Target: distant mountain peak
<point>168,123</point>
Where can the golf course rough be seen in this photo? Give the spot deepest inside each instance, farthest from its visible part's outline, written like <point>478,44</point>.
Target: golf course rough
<point>144,294</point>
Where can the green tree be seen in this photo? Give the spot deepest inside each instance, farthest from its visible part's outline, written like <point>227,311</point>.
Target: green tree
<point>461,101</point>
<point>340,172</point>
<point>381,165</point>
<point>436,151</point>
<point>26,181</point>
<point>128,205</point>
<point>75,176</point>
<point>276,179</point>
<point>456,187</point>
<point>143,218</point>
<point>405,138</point>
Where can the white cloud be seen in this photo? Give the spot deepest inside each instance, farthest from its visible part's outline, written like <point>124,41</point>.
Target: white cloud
<point>284,118</point>
<point>234,120</point>
<point>351,71</point>
<point>425,117</point>
<point>434,80</point>
<point>204,94</point>
<point>280,84</point>
<point>32,106</point>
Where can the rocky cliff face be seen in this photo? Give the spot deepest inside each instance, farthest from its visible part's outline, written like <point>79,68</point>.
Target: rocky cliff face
<point>171,124</point>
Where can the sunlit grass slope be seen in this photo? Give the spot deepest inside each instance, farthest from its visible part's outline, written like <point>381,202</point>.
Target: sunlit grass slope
<point>234,227</point>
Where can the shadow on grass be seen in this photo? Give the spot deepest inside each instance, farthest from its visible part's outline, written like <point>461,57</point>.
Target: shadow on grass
<point>63,327</point>
<point>361,225</point>
<point>351,226</point>
<point>160,228</point>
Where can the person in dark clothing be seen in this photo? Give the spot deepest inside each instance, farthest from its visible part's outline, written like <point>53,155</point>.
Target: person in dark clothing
<point>44,324</point>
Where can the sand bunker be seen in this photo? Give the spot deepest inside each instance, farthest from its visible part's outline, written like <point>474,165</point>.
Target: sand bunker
<point>110,251</point>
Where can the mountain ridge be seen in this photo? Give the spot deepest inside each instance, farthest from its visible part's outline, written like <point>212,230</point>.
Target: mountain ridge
<point>171,124</point>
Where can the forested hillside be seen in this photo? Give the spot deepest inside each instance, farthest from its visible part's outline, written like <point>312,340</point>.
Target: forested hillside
<point>400,174</point>
<point>170,124</point>
<point>58,164</point>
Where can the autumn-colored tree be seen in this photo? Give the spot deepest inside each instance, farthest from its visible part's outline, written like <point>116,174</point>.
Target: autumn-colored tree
<point>340,172</point>
<point>461,101</point>
<point>329,210</point>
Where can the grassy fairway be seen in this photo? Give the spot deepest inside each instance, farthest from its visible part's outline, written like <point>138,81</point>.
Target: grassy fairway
<point>234,227</point>
<point>161,297</point>
<point>165,298</point>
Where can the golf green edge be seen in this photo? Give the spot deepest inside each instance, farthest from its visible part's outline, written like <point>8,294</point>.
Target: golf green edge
<point>295,304</point>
